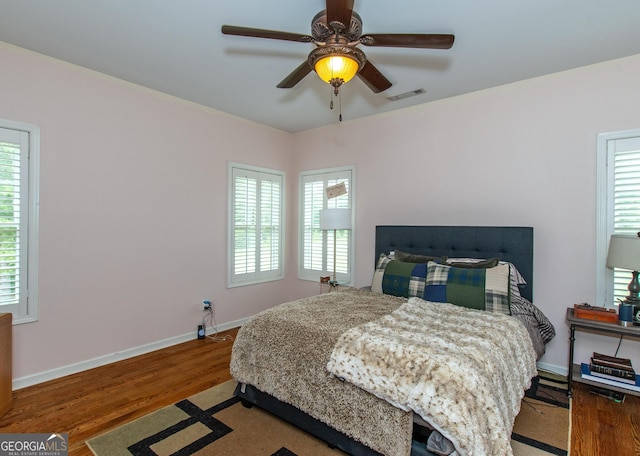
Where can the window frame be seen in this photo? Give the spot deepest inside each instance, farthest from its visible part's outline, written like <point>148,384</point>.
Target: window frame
<point>314,274</point>
<point>605,212</point>
<point>27,309</point>
<point>237,280</point>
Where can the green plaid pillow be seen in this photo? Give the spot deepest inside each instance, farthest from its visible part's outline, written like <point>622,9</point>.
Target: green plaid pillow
<point>483,289</point>
<point>399,278</point>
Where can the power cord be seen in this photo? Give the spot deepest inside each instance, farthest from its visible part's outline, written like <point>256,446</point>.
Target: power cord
<point>212,322</point>
<point>619,343</point>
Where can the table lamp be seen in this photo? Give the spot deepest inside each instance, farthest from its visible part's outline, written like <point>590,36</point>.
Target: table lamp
<point>335,219</point>
<point>624,253</point>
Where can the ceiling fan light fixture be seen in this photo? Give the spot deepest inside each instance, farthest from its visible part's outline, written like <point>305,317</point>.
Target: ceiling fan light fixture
<point>337,64</point>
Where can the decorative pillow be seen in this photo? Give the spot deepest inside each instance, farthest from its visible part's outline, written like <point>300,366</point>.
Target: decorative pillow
<point>415,258</point>
<point>516,277</point>
<point>399,278</point>
<point>483,289</point>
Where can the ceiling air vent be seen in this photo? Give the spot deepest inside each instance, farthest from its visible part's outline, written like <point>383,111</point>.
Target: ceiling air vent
<point>412,93</point>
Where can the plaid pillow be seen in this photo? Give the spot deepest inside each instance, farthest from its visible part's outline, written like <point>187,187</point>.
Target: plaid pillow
<point>399,278</point>
<point>483,289</point>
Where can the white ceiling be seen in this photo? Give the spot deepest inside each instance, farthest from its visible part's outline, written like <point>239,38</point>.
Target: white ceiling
<point>175,46</point>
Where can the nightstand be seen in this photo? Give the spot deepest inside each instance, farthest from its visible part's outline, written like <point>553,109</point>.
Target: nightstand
<point>582,324</point>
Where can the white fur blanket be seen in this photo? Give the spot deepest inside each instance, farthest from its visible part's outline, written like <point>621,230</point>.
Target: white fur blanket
<point>463,371</point>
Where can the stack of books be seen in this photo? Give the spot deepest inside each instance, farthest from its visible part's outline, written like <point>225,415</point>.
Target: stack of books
<point>611,370</point>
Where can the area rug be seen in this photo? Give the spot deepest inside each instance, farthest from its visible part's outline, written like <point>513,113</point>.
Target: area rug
<point>215,423</point>
<point>543,425</point>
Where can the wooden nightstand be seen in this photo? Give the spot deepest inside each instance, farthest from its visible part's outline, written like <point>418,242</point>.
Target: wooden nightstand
<point>582,324</point>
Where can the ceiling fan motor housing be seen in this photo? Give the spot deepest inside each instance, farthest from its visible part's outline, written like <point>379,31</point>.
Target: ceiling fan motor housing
<point>322,31</point>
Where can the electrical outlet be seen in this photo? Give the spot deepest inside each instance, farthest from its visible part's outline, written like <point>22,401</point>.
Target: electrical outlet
<point>206,305</point>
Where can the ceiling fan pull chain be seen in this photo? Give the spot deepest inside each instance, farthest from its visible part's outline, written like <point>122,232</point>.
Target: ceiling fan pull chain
<point>330,100</point>
<point>340,101</point>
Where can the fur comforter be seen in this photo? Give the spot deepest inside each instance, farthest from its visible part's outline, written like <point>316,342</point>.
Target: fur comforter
<point>463,371</point>
<point>285,351</point>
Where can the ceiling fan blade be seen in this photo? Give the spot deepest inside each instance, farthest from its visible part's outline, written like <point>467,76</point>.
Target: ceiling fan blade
<point>260,33</point>
<point>408,40</point>
<point>339,11</point>
<point>295,76</point>
<point>373,78</point>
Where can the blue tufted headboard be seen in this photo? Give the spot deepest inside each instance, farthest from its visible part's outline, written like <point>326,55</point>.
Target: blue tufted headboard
<point>512,244</point>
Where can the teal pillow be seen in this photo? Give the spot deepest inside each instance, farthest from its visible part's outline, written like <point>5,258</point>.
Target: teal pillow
<point>482,289</point>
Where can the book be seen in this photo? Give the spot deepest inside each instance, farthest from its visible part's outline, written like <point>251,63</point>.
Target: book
<point>586,373</point>
<point>611,366</point>
<point>616,371</point>
<point>618,362</point>
<point>620,367</point>
<point>613,374</point>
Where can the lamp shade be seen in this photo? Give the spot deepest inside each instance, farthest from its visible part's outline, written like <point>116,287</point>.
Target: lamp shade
<point>624,252</point>
<point>335,219</point>
<point>336,66</point>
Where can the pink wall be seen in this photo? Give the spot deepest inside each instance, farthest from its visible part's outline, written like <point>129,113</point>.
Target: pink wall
<point>133,210</point>
<point>520,154</point>
<point>134,195</point>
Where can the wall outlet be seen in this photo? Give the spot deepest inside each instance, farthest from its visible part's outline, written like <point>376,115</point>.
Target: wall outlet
<point>206,305</point>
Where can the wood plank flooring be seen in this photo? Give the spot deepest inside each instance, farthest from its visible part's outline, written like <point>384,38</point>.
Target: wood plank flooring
<point>92,402</point>
<point>601,427</point>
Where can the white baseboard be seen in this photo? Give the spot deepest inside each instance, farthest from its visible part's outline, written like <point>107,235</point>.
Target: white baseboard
<point>560,370</point>
<point>52,374</point>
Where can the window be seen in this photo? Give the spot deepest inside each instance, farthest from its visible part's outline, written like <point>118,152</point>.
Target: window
<point>316,246</point>
<point>255,225</point>
<point>618,206</point>
<point>19,161</point>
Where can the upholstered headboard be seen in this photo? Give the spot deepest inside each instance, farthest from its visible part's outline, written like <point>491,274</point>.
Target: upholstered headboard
<point>512,244</point>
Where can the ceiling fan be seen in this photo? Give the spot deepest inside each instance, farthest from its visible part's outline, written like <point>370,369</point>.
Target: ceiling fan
<point>337,31</point>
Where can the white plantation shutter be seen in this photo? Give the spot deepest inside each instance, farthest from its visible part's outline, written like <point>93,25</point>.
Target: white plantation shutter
<point>618,207</point>
<point>255,225</point>
<point>270,224</point>
<point>244,229</point>
<point>316,245</point>
<point>626,201</point>
<point>10,223</point>
<point>18,220</point>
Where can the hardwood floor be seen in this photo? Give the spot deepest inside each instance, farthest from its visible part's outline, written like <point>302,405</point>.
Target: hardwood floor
<point>91,402</point>
<point>601,427</point>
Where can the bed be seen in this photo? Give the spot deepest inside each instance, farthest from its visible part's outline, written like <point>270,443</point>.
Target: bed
<point>304,361</point>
